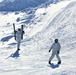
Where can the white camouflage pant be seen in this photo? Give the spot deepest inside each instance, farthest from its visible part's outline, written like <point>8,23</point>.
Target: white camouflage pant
<point>53,55</point>
<point>18,43</point>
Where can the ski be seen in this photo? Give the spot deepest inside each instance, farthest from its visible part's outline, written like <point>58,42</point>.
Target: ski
<point>14,31</point>
<point>21,31</point>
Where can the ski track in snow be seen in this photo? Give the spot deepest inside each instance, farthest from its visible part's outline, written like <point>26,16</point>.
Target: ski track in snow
<point>34,55</point>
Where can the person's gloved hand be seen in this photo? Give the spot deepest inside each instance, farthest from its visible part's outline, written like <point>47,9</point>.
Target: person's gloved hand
<point>49,50</point>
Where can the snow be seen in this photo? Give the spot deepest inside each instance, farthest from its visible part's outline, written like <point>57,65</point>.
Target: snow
<point>55,21</point>
<point>1,0</point>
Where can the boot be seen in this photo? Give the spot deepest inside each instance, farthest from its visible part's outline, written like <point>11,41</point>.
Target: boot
<point>59,62</point>
<point>49,62</point>
<point>18,49</point>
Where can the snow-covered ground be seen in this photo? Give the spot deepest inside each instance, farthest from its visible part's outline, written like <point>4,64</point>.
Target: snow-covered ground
<point>41,27</point>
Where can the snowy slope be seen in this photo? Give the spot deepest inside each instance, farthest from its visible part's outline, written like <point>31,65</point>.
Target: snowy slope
<point>55,21</point>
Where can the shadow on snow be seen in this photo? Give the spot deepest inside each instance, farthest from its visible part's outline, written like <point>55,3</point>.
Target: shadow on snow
<point>14,55</point>
<point>7,38</point>
<point>53,66</point>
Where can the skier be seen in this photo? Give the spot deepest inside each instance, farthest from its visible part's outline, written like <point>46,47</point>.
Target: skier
<point>55,51</point>
<point>18,37</point>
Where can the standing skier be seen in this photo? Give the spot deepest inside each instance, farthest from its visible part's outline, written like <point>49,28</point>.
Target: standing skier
<point>55,51</point>
<point>18,37</point>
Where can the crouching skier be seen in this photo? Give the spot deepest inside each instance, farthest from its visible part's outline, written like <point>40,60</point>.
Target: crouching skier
<point>55,51</point>
<point>18,37</point>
